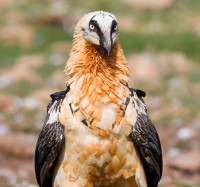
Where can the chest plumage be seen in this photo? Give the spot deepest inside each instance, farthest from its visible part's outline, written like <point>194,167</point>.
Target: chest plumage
<point>104,155</point>
<point>101,157</point>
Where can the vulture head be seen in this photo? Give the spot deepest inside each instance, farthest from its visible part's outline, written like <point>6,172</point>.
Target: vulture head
<point>99,28</point>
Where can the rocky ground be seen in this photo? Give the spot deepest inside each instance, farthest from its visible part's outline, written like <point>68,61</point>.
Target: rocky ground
<point>161,43</point>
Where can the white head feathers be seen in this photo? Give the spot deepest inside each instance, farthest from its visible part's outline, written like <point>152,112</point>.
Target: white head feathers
<point>99,28</point>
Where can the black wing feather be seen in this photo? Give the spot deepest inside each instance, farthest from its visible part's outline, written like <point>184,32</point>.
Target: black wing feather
<point>146,140</point>
<point>49,144</point>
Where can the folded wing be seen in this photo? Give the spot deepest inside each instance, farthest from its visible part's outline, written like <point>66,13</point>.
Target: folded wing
<point>146,141</point>
<point>50,142</point>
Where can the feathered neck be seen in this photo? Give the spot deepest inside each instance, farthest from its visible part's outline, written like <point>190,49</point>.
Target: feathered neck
<point>86,59</point>
<point>95,79</point>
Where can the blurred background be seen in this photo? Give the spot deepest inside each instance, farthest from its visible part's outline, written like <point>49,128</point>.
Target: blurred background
<point>161,40</point>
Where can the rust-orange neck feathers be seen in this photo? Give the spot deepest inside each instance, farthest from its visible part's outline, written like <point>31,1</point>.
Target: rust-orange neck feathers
<point>86,60</point>
<point>96,80</point>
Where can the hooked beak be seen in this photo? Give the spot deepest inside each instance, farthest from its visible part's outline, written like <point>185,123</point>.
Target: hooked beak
<point>106,43</point>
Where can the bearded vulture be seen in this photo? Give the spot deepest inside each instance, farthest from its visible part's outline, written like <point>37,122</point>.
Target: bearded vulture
<point>97,132</point>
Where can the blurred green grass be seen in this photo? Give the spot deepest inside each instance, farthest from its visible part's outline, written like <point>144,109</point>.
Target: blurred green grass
<point>8,54</point>
<point>45,37</point>
<point>178,37</point>
<point>46,70</point>
<point>185,42</point>
<point>20,88</point>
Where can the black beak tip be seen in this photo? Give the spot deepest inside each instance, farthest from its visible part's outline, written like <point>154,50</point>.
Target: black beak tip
<point>105,52</point>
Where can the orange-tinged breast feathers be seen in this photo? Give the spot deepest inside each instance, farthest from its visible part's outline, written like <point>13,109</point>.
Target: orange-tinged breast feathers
<point>96,80</point>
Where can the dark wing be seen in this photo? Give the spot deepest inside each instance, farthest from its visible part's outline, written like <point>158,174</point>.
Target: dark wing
<point>50,142</point>
<point>146,140</point>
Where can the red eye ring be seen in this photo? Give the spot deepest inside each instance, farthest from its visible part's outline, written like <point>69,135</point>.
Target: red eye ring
<point>92,27</point>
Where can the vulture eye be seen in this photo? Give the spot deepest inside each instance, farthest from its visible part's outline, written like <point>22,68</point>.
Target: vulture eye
<point>115,28</point>
<point>92,27</point>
